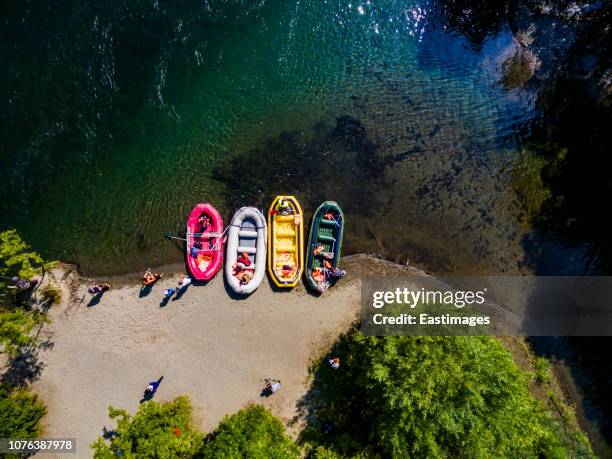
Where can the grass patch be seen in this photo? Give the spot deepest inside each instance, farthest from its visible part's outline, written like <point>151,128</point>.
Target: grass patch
<point>52,293</point>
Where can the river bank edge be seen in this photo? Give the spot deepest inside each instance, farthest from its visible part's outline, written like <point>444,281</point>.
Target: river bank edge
<point>559,392</point>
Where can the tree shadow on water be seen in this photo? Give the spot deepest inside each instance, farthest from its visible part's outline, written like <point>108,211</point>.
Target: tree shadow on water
<point>339,162</point>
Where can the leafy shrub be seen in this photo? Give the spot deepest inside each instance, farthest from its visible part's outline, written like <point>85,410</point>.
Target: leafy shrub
<point>20,413</point>
<point>16,322</point>
<point>157,430</point>
<point>252,432</point>
<point>15,327</point>
<point>541,366</point>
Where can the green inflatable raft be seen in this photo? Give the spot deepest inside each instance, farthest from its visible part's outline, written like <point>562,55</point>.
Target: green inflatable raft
<point>325,246</point>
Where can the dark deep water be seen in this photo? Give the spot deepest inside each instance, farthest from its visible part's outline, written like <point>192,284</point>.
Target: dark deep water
<point>115,118</point>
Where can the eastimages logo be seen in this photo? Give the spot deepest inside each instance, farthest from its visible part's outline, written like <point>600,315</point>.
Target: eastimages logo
<point>493,305</point>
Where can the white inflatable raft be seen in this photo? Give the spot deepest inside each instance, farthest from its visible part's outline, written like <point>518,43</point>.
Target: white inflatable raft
<point>247,236</point>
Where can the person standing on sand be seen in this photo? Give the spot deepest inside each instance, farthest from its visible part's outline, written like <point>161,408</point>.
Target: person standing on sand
<point>152,387</point>
<point>184,283</point>
<point>168,293</point>
<point>151,390</point>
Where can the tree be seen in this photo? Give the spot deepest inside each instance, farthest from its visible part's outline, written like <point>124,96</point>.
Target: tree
<point>252,432</point>
<point>16,258</point>
<point>164,430</point>
<point>20,413</point>
<point>429,396</point>
<point>16,322</point>
<point>157,430</point>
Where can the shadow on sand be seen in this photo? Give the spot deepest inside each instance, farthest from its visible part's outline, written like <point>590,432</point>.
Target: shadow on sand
<point>23,369</point>
<point>164,302</point>
<point>180,292</point>
<point>145,290</point>
<point>95,300</point>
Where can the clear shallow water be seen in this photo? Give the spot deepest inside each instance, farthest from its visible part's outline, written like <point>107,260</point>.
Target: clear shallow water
<point>115,120</point>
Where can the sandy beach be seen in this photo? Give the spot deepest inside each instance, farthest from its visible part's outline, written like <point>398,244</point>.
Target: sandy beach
<point>208,345</point>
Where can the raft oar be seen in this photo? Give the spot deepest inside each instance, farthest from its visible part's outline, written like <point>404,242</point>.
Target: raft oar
<point>214,247</point>
<point>218,237</point>
<point>170,236</point>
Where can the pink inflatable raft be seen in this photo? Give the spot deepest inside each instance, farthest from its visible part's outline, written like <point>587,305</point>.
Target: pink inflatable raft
<point>204,242</point>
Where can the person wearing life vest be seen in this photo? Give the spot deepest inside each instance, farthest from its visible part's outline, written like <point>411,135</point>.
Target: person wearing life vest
<point>203,221</point>
<point>283,207</point>
<point>244,259</point>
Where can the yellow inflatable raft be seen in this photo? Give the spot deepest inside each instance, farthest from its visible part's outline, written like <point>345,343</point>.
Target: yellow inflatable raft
<point>285,241</point>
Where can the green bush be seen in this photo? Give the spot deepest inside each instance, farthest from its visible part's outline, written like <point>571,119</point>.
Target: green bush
<point>541,367</point>
<point>252,432</point>
<point>16,258</point>
<point>15,328</point>
<point>429,397</point>
<point>20,413</point>
<point>16,322</point>
<point>157,430</point>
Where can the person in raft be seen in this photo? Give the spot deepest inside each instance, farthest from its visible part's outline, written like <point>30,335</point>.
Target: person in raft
<point>287,271</point>
<point>244,259</point>
<point>330,216</point>
<point>241,269</point>
<point>333,272</point>
<point>283,207</point>
<point>318,275</point>
<point>150,278</point>
<point>97,289</point>
<point>203,221</point>
<point>241,273</point>
<point>322,276</point>
<point>320,250</point>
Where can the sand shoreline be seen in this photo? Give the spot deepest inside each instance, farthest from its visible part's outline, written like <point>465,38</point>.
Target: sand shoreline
<point>179,268</point>
<point>209,345</point>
